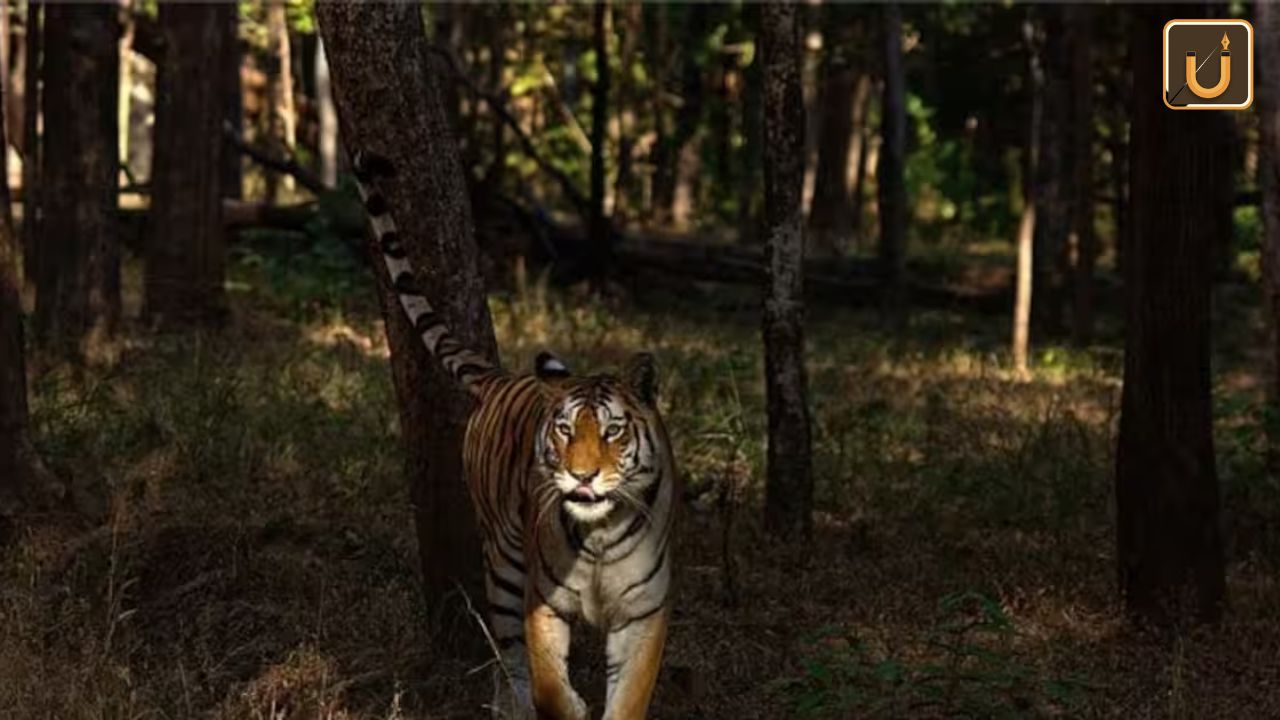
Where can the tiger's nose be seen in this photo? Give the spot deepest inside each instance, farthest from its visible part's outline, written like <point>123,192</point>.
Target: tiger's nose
<point>585,477</point>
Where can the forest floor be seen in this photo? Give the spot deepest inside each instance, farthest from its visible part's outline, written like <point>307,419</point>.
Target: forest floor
<point>253,554</point>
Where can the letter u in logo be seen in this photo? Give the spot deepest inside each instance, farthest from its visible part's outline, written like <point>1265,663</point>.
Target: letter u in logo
<point>1224,77</point>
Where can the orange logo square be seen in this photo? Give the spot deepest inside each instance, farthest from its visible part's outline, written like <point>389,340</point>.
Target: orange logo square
<point>1208,64</point>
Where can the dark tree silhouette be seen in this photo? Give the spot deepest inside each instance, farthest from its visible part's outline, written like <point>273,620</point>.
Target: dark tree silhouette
<point>891,173</point>
<point>186,251</point>
<point>379,64</point>
<point>1169,541</point>
<point>840,82</point>
<point>789,487</point>
<point>1079,21</point>
<point>600,239</point>
<point>1267,28</point>
<point>78,275</point>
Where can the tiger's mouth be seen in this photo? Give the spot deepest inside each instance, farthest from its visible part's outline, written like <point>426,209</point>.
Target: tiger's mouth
<point>584,495</point>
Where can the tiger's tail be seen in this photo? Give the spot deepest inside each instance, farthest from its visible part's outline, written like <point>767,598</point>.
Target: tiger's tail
<point>463,363</point>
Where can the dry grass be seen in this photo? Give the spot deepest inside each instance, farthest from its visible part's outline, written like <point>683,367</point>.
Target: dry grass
<point>252,553</point>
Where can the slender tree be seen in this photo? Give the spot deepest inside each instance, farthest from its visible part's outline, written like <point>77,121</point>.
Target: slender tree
<point>1079,20</point>
<point>382,74</point>
<point>31,185</point>
<point>677,162</point>
<point>1267,29</point>
<point>1054,172</point>
<point>284,118</point>
<point>329,120</point>
<point>78,281</point>
<point>789,487</point>
<point>1027,224</point>
<point>891,176</point>
<point>186,251</point>
<point>1169,541</point>
<point>599,222</point>
<point>830,214</point>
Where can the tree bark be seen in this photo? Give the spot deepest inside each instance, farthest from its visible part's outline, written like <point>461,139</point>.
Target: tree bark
<point>1267,32</point>
<point>789,483</point>
<point>1025,278</point>
<point>677,163</point>
<point>1170,553</point>
<point>891,174</point>
<point>78,284</point>
<point>381,74</point>
<point>752,141</point>
<point>233,105</point>
<point>186,253</point>
<point>284,119</point>
<point>1084,244</point>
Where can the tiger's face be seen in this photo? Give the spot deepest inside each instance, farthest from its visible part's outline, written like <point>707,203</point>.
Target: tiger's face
<point>597,446</point>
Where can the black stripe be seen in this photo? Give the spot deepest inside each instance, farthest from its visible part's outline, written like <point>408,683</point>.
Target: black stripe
<point>632,529</point>
<point>651,492</point>
<point>425,322</point>
<point>470,368</point>
<point>391,245</point>
<point>662,560</point>
<point>519,566</point>
<point>375,204</point>
<point>546,569</point>
<point>506,584</point>
<point>496,609</point>
<point>641,616</point>
<point>564,616</point>
<point>406,284</point>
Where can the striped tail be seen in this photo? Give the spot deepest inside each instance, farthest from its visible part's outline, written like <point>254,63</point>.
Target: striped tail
<point>464,364</point>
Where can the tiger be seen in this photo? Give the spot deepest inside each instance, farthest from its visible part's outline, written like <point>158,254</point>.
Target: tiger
<point>574,486</point>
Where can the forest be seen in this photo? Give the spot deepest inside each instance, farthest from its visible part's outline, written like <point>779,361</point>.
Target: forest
<point>967,348</point>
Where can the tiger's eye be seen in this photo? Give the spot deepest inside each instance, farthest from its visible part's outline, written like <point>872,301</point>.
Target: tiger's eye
<point>564,429</point>
<point>613,432</point>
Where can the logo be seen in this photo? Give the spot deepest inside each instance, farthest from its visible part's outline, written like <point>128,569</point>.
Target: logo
<point>1208,64</point>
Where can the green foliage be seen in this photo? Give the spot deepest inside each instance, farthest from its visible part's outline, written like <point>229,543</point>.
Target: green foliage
<point>968,668</point>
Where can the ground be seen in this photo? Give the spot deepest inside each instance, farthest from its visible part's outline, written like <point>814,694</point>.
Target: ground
<point>249,549</point>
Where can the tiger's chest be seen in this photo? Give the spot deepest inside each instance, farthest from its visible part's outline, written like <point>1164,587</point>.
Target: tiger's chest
<point>606,576</point>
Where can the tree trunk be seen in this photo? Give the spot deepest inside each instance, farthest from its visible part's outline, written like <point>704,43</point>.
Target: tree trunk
<point>32,188</point>
<point>284,120</point>
<point>678,162</point>
<point>749,155</point>
<point>124,93</point>
<point>1079,21</point>
<point>1054,173</point>
<point>381,74</point>
<point>789,484</point>
<point>1267,32</point>
<point>599,240</point>
<point>891,174</point>
<point>233,104</point>
<point>329,120</point>
<point>830,217</point>
<point>1169,541</point>
<point>78,285</point>
<point>1027,225</point>
<point>14,99</point>
<point>186,254</point>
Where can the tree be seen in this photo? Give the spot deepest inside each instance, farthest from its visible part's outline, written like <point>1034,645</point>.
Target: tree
<point>1267,28</point>
<point>381,74</point>
<point>1027,224</point>
<point>789,485</point>
<point>891,175</point>
<point>1168,538</point>
<point>78,278</point>
<point>186,251</point>
<point>600,239</point>
<point>1079,21</point>
<point>329,120</point>
<point>284,118</point>
<point>842,89</point>
<point>677,162</point>
<point>22,476</point>
<point>1054,173</point>
<point>31,210</point>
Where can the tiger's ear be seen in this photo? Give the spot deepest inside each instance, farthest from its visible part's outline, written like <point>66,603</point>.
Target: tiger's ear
<point>547,366</point>
<point>642,377</point>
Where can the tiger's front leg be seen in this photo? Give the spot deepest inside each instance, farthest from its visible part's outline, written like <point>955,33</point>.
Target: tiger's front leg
<point>634,652</point>
<point>547,638</point>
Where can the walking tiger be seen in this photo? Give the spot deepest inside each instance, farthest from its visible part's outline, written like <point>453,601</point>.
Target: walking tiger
<point>574,486</point>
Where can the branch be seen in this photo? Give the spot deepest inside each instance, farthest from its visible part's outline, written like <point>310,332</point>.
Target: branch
<point>499,108</point>
<point>286,165</point>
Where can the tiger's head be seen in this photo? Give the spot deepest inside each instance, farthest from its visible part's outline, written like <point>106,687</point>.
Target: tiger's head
<point>601,445</point>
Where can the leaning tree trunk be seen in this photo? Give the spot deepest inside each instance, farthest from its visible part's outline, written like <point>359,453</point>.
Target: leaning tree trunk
<point>891,175</point>
<point>381,74</point>
<point>78,283</point>
<point>1027,224</point>
<point>1169,541</point>
<point>1267,22</point>
<point>186,257</point>
<point>789,485</point>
